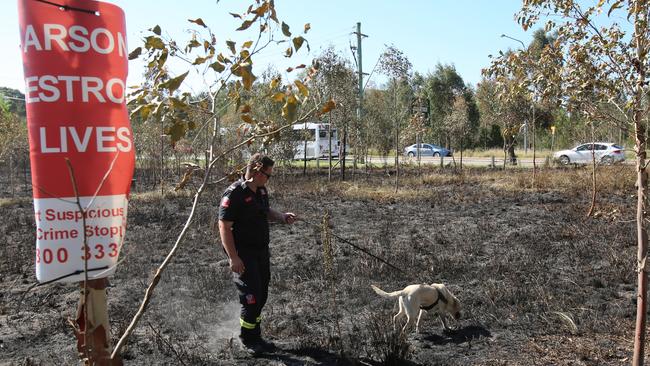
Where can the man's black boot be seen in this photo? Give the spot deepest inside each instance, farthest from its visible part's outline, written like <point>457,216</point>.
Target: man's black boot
<point>250,342</point>
<point>267,346</point>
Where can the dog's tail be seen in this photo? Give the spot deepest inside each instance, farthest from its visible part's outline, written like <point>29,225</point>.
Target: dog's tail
<point>383,293</point>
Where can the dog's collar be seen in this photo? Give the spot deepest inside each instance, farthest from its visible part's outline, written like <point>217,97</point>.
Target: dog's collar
<point>441,297</point>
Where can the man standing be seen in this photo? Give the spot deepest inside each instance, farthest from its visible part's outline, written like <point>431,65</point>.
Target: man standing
<point>244,215</point>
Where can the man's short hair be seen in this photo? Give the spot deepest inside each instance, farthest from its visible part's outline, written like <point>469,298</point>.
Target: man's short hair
<point>258,162</point>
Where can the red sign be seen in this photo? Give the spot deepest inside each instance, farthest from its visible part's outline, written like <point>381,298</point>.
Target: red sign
<point>75,64</point>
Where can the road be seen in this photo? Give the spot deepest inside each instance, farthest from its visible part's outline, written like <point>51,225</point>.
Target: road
<point>467,160</point>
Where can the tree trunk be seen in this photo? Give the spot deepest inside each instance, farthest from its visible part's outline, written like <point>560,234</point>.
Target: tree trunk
<point>396,139</point>
<point>642,241</point>
<point>593,172</point>
<point>640,28</point>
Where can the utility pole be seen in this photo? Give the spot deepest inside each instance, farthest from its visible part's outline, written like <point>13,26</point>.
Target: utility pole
<point>360,92</point>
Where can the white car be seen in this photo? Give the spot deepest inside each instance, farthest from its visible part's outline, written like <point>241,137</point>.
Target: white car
<point>603,152</point>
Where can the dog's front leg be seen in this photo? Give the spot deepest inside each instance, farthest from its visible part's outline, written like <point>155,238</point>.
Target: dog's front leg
<point>444,322</point>
<point>417,324</point>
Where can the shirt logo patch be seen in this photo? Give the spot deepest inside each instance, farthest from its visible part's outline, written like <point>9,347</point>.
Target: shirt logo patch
<point>225,202</point>
<point>248,199</point>
<point>250,299</point>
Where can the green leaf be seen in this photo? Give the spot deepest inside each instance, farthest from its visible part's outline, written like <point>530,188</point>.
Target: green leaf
<point>154,42</point>
<point>285,29</point>
<point>217,66</point>
<point>247,44</point>
<point>198,21</point>
<point>156,30</point>
<point>231,46</point>
<point>225,60</point>
<point>175,83</point>
<point>297,42</point>
<point>615,6</point>
<point>135,53</point>
<point>162,59</point>
<point>245,25</point>
<point>200,60</point>
<point>144,111</point>
<point>176,131</point>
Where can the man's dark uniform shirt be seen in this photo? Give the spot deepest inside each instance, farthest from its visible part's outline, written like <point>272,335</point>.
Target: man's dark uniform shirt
<point>248,211</point>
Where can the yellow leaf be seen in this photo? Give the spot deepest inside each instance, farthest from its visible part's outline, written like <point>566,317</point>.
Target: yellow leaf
<point>288,52</point>
<point>328,106</point>
<point>246,118</point>
<point>278,97</point>
<point>274,83</point>
<point>262,9</point>
<point>290,109</point>
<point>247,44</point>
<point>247,76</point>
<point>302,88</point>
<point>307,27</point>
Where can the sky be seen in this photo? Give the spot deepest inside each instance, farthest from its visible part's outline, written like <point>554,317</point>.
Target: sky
<point>458,32</point>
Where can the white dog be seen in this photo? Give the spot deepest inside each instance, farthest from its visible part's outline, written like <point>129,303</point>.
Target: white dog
<point>412,298</point>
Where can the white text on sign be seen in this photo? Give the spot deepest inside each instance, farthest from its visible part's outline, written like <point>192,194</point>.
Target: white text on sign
<point>76,38</point>
<point>50,88</point>
<point>107,139</point>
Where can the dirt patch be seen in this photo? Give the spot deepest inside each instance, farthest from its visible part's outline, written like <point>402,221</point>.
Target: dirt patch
<point>540,283</point>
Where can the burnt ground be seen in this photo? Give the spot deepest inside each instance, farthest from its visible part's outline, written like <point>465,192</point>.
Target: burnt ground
<point>540,283</point>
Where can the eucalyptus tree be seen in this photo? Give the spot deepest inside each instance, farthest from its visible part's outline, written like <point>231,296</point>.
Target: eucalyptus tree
<point>394,64</point>
<point>441,88</point>
<point>336,80</point>
<point>598,66</point>
<point>225,67</point>
<point>378,119</point>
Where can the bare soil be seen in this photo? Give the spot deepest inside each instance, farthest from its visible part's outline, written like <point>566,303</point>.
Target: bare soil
<point>540,283</point>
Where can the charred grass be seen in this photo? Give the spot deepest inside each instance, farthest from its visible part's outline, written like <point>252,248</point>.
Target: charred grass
<point>540,282</point>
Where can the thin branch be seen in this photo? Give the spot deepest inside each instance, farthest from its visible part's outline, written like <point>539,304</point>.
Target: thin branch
<point>85,256</point>
<point>181,236</point>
